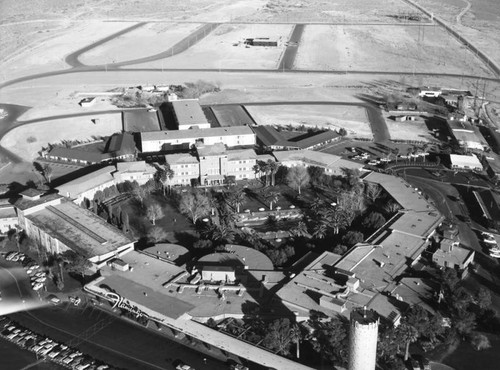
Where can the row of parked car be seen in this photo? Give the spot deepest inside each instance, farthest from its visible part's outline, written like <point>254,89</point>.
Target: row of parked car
<point>490,241</point>
<point>48,348</point>
<point>37,277</point>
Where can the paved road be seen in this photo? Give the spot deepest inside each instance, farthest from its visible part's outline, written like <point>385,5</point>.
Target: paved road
<point>288,58</point>
<point>72,59</point>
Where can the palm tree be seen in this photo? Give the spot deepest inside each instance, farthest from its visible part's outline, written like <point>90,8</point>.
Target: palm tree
<point>396,153</point>
<point>273,168</point>
<point>272,197</point>
<point>319,230</point>
<point>236,199</point>
<point>409,335</point>
<point>300,230</point>
<point>425,148</point>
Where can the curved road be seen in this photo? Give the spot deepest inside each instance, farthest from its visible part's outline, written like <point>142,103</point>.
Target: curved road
<point>72,59</point>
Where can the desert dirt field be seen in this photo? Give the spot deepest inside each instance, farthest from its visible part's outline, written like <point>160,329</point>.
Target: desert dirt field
<point>409,130</point>
<point>224,48</point>
<point>384,48</point>
<point>332,11</point>
<point>42,55</point>
<point>480,24</point>
<point>26,141</point>
<point>352,118</point>
<point>150,39</point>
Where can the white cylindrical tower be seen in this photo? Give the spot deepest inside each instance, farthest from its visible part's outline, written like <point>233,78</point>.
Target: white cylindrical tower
<point>363,340</point>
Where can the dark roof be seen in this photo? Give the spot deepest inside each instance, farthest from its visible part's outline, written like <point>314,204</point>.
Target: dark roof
<point>78,154</point>
<point>316,139</point>
<point>121,144</point>
<point>489,203</point>
<point>140,120</point>
<point>269,136</point>
<point>30,192</point>
<point>24,204</point>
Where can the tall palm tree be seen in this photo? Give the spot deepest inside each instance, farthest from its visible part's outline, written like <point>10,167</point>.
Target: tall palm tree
<point>409,335</point>
<point>396,152</point>
<point>236,199</point>
<point>272,197</point>
<point>273,168</point>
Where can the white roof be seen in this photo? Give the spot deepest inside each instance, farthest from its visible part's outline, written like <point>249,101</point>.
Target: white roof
<point>465,160</point>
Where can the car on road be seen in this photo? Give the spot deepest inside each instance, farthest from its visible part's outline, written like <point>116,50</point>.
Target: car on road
<point>488,238</point>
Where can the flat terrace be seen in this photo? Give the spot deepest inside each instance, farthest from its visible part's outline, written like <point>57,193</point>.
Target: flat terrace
<point>402,192</point>
<point>418,223</point>
<point>304,292</point>
<point>79,229</point>
<point>152,281</point>
<point>378,265</point>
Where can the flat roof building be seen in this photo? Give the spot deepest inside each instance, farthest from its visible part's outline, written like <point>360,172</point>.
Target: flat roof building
<point>87,185</point>
<point>168,295</point>
<point>189,115</point>
<point>230,136</point>
<point>465,162</point>
<point>271,138</point>
<point>60,225</point>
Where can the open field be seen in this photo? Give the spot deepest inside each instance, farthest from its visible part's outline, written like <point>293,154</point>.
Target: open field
<point>18,11</point>
<point>352,118</point>
<point>224,48</point>
<point>480,25</point>
<point>332,11</point>
<point>41,50</point>
<point>389,48</point>
<point>409,130</point>
<point>42,133</point>
<point>150,39</point>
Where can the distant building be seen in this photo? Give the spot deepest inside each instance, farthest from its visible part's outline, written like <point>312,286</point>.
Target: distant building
<point>430,92</point>
<point>189,115</point>
<point>468,136</point>
<point>59,225</point>
<point>261,41</point>
<point>269,137</point>
<point>229,136</point>
<point>450,254</point>
<point>465,162</point>
<point>87,102</point>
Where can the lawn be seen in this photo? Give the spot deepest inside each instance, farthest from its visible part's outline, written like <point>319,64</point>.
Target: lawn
<point>172,221</point>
